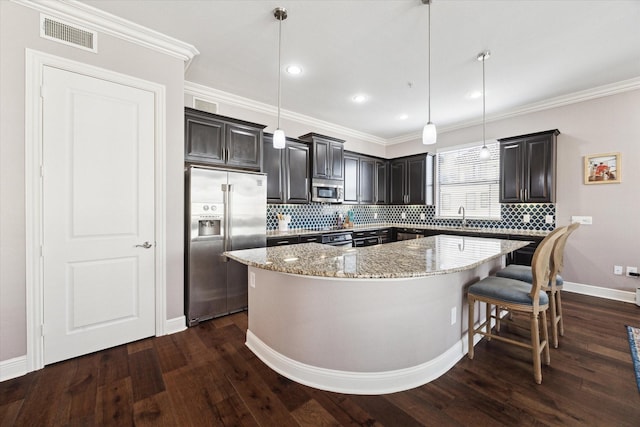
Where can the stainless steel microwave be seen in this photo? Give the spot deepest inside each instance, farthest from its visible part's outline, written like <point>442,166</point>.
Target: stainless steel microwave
<point>327,190</point>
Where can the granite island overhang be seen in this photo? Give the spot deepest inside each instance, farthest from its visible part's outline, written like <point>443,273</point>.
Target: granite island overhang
<point>370,320</point>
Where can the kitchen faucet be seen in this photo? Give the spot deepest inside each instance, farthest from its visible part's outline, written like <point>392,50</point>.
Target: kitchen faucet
<point>464,220</point>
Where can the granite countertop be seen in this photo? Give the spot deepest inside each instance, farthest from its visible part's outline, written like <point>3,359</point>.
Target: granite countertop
<point>502,231</point>
<point>426,256</point>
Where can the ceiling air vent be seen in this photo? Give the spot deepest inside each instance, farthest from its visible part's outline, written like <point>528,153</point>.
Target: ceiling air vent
<point>72,35</point>
<point>202,105</point>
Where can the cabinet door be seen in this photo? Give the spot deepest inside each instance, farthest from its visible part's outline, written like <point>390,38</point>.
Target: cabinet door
<point>336,156</point>
<point>351,179</point>
<point>416,180</point>
<point>296,173</point>
<point>273,167</point>
<point>382,182</point>
<point>398,175</point>
<point>204,140</point>
<point>538,177</point>
<point>367,174</point>
<point>511,172</point>
<point>321,157</point>
<point>243,146</point>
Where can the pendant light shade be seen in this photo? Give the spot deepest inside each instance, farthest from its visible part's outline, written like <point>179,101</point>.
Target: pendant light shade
<point>429,133</point>
<point>279,140</point>
<point>484,151</point>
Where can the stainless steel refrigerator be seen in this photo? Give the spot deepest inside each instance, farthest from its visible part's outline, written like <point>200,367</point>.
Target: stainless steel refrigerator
<point>224,211</point>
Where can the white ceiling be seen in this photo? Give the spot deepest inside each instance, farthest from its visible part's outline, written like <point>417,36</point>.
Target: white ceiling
<point>540,50</point>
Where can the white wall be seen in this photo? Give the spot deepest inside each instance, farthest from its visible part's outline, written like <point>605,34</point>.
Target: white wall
<point>19,29</point>
<point>608,124</point>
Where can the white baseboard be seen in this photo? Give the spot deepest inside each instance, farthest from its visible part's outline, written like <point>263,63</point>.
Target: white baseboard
<point>177,324</point>
<point>597,291</point>
<point>13,368</point>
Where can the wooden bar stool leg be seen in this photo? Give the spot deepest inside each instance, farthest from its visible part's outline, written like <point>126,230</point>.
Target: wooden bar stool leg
<point>560,319</point>
<point>554,320</point>
<point>535,348</point>
<point>488,325</point>
<point>471,332</point>
<point>545,335</point>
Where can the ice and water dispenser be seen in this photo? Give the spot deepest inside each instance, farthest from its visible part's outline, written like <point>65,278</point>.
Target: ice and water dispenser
<point>206,220</point>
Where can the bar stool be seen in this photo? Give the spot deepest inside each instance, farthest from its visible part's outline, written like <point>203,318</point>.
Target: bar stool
<point>553,288</point>
<point>517,296</point>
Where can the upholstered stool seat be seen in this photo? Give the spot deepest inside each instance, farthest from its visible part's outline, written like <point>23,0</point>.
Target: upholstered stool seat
<point>507,290</point>
<point>523,273</point>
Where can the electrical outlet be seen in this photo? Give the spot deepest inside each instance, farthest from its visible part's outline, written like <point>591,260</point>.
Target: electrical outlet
<point>453,315</point>
<point>252,279</point>
<point>617,270</point>
<point>548,219</point>
<point>526,218</point>
<point>423,217</point>
<point>585,220</point>
<point>631,270</point>
<point>375,215</point>
<point>403,215</point>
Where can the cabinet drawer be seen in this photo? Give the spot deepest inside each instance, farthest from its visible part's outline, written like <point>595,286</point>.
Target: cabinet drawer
<point>279,241</point>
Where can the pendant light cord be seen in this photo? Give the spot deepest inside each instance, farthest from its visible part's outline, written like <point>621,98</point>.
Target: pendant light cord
<point>429,66</point>
<point>484,141</point>
<point>279,64</point>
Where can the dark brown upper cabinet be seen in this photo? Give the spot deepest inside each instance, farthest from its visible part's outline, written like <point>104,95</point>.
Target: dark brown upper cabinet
<point>362,176</point>
<point>528,168</point>
<point>287,171</point>
<point>215,140</point>
<point>327,159</point>
<point>411,180</point>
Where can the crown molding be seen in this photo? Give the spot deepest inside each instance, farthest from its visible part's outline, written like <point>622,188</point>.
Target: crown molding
<point>560,101</point>
<point>216,95</point>
<point>74,11</point>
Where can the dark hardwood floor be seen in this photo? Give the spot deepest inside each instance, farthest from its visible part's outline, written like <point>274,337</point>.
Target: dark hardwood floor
<point>205,376</point>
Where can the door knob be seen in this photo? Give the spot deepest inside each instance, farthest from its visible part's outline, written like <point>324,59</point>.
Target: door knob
<point>145,245</point>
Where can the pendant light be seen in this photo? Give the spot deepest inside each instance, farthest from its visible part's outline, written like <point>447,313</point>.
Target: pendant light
<point>280,14</point>
<point>429,134</point>
<point>484,151</point>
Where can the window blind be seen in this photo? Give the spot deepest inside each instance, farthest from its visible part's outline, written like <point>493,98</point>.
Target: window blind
<point>465,180</point>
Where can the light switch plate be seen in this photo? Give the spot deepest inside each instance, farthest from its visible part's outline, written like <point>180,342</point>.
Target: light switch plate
<point>526,218</point>
<point>375,215</point>
<point>585,220</point>
<point>422,217</point>
<point>548,219</point>
<point>403,215</point>
<point>617,270</point>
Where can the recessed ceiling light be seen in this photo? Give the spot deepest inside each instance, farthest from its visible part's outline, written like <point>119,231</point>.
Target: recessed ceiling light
<point>403,116</point>
<point>294,69</point>
<point>359,98</point>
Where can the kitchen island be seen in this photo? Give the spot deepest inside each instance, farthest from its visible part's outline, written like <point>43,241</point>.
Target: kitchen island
<point>369,320</point>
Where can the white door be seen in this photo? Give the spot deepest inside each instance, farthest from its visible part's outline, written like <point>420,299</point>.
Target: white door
<point>98,212</point>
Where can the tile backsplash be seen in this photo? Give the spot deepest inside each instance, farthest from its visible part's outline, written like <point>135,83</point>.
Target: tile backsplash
<point>318,216</point>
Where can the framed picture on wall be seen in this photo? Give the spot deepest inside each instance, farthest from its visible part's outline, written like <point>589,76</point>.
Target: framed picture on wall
<point>602,168</point>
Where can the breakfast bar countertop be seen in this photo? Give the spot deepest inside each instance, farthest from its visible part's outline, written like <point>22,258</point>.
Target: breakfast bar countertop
<point>425,256</point>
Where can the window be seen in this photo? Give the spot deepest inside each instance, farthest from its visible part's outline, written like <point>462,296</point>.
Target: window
<point>462,179</point>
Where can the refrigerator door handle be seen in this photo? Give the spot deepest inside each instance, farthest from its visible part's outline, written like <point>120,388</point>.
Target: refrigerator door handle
<point>226,190</point>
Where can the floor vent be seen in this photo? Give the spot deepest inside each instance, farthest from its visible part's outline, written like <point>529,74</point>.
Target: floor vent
<point>202,105</point>
<point>72,35</point>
